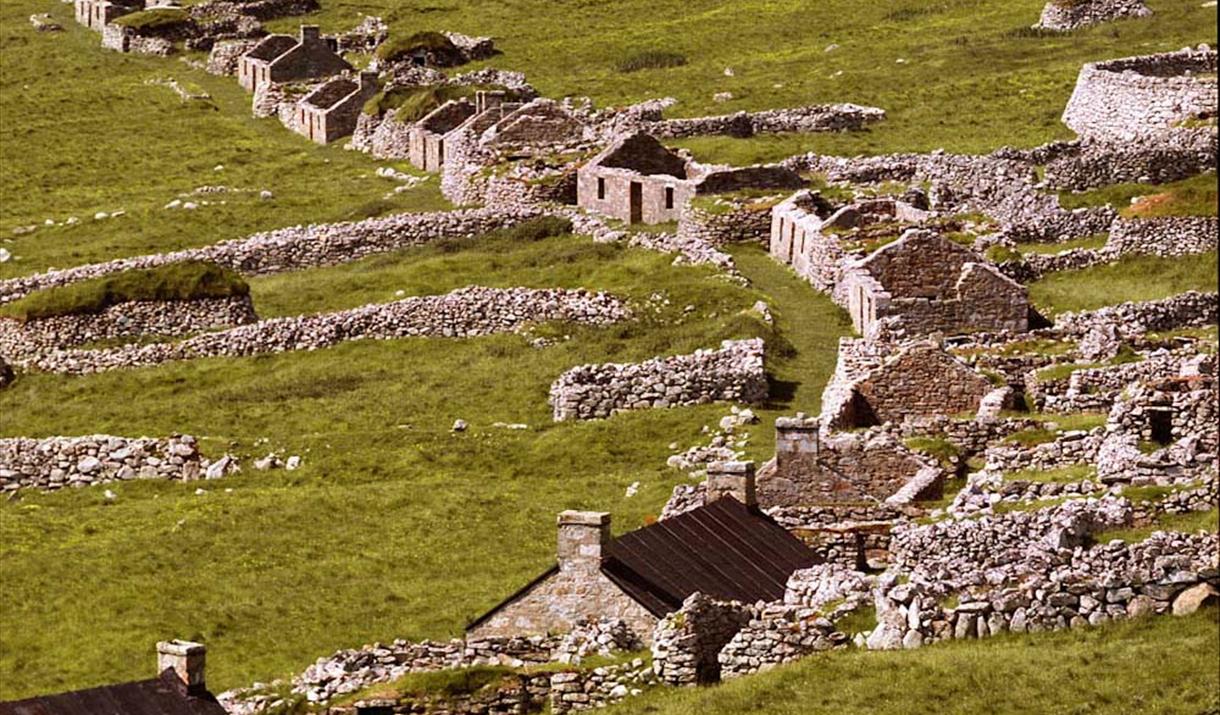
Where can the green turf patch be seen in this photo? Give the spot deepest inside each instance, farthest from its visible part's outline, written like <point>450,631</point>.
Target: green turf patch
<point>160,18</point>
<point>1189,523</point>
<point>1158,664</point>
<point>399,48</point>
<point>1087,242</point>
<point>1131,278</point>
<point>188,280</point>
<point>1062,475</point>
<point>1196,196</point>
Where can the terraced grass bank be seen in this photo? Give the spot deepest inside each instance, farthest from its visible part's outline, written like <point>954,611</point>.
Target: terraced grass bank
<point>1162,665</point>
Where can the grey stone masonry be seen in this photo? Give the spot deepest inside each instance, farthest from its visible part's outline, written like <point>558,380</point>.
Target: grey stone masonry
<point>56,462</point>
<point>1136,96</point>
<point>20,341</point>
<point>293,248</point>
<point>1190,309</point>
<point>1169,236</point>
<point>734,373</point>
<point>1066,15</point>
<point>686,643</point>
<point>464,313</point>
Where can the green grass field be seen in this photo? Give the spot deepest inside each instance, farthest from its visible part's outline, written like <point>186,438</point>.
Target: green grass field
<point>1157,665</point>
<point>394,526</point>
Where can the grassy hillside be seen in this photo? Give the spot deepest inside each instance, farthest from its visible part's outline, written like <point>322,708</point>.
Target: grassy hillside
<point>394,526</point>
<point>82,131</point>
<point>967,75</point>
<point>1160,665</point>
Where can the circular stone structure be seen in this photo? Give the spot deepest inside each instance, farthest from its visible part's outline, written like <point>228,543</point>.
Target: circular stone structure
<point>1135,97</point>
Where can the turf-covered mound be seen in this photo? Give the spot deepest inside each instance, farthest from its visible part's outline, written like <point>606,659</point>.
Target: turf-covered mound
<point>188,280</point>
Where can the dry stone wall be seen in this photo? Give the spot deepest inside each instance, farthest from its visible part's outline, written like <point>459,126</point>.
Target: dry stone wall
<point>734,373</point>
<point>814,118</point>
<point>687,642</point>
<point>1094,162</point>
<point>1136,96</point>
<point>56,462</point>
<point>1168,572</point>
<point>1067,15</point>
<point>1190,309</point>
<point>1170,236</point>
<point>465,313</point>
<point>20,341</point>
<point>293,248</point>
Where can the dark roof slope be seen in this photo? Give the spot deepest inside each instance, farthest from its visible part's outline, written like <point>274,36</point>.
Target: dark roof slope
<point>163,695</point>
<point>641,153</point>
<point>272,46</point>
<point>725,550</point>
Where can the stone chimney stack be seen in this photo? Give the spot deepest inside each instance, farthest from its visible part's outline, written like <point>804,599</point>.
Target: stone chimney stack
<point>310,33</point>
<point>368,82</point>
<point>583,536</point>
<point>735,479</point>
<point>796,443</point>
<point>186,659</point>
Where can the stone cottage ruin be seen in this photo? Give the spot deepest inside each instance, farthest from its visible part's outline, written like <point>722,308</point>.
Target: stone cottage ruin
<point>726,549</point>
<point>924,283</point>
<point>329,112</point>
<point>283,58</point>
<point>636,179</point>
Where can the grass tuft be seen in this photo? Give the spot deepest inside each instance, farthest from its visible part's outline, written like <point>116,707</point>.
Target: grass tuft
<point>650,60</point>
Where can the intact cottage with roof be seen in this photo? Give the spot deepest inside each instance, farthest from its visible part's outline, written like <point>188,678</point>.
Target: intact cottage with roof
<point>726,549</point>
<point>330,112</point>
<point>178,689</point>
<point>283,58</point>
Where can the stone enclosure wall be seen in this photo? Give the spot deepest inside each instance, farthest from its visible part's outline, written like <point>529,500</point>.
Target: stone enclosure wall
<point>19,341</point>
<point>293,248</point>
<point>1134,96</point>
<point>734,373</point>
<point>464,313</point>
<point>1169,236</point>
<point>57,462</point>
<point>1066,15</point>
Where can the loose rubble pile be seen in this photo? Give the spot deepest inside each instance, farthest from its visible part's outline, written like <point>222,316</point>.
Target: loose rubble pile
<point>57,462</point>
<point>734,373</point>
<point>464,313</point>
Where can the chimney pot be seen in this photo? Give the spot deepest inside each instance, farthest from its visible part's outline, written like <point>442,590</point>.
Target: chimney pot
<point>310,33</point>
<point>735,479</point>
<point>186,659</point>
<point>583,536</point>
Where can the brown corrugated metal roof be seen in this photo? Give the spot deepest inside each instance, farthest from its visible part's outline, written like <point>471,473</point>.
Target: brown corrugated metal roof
<point>163,695</point>
<point>725,550</point>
